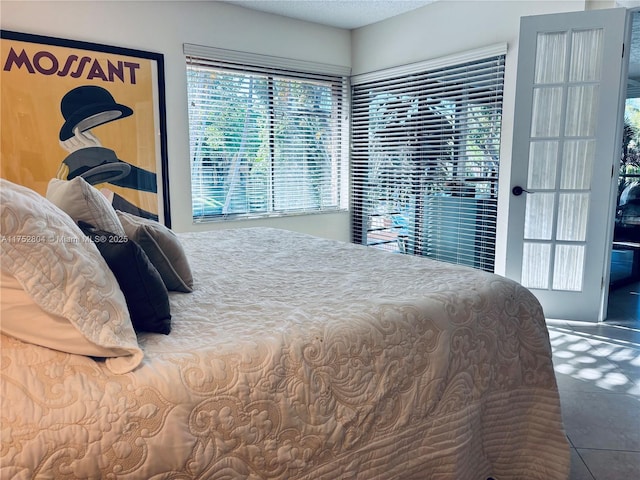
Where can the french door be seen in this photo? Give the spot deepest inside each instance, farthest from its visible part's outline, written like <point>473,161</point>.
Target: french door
<point>566,146</point>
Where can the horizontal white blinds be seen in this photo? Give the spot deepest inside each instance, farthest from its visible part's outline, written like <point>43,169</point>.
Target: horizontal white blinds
<point>425,157</point>
<point>264,140</point>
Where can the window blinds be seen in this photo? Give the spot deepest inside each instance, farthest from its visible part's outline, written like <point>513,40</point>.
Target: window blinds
<point>264,139</point>
<point>425,156</point>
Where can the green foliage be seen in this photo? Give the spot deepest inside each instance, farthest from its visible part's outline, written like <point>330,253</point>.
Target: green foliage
<point>261,142</point>
<point>630,160</point>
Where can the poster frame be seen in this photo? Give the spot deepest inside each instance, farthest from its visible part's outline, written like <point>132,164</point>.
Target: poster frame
<point>160,124</point>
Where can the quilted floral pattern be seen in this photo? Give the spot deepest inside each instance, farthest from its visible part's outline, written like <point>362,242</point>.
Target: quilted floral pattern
<point>302,358</point>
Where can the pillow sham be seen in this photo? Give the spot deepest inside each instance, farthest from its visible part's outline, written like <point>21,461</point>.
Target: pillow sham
<point>65,275</point>
<point>163,248</point>
<point>82,202</point>
<point>144,291</point>
<point>22,318</point>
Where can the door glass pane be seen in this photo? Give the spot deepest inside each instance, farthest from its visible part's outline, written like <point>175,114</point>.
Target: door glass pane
<point>573,210</point>
<point>538,221</point>
<point>550,57</point>
<point>535,265</point>
<point>546,110</point>
<point>577,164</point>
<point>586,55</point>
<point>543,160</point>
<point>569,267</point>
<point>582,107</point>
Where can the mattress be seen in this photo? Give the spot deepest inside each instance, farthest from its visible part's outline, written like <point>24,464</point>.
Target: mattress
<point>297,357</point>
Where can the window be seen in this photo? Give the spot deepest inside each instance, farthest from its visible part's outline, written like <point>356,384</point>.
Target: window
<point>264,139</point>
<point>425,158</point>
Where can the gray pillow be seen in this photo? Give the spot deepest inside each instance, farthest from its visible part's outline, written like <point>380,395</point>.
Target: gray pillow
<point>163,248</point>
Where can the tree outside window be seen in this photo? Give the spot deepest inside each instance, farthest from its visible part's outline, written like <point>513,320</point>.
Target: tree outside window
<point>263,144</point>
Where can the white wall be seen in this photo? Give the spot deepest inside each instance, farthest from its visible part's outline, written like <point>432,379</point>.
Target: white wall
<point>163,26</point>
<point>453,26</point>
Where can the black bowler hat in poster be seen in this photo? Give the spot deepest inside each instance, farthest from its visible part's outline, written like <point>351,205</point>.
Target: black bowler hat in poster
<point>89,106</point>
<point>84,108</point>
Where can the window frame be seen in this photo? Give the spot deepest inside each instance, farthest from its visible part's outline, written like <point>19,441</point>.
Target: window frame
<point>376,154</point>
<point>282,69</point>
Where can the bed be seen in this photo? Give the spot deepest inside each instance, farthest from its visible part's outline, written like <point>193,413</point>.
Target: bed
<point>291,357</point>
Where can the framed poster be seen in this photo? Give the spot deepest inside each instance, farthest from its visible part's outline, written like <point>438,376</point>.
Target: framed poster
<point>74,108</point>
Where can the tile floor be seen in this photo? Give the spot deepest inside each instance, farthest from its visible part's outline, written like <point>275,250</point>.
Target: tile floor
<point>598,373</point>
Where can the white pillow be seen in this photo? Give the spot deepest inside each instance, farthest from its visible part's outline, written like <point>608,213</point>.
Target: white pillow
<point>22,318</point>
<point>64,274</point>
<point>83,202</point>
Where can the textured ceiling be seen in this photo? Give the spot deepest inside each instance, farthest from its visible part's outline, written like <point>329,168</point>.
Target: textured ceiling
<point>347,14</point>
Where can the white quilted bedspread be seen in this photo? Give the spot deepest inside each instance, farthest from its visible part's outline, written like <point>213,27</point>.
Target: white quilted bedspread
<point>297,357</point>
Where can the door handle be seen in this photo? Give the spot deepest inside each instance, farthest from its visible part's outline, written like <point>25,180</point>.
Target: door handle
<point>518,190</point>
